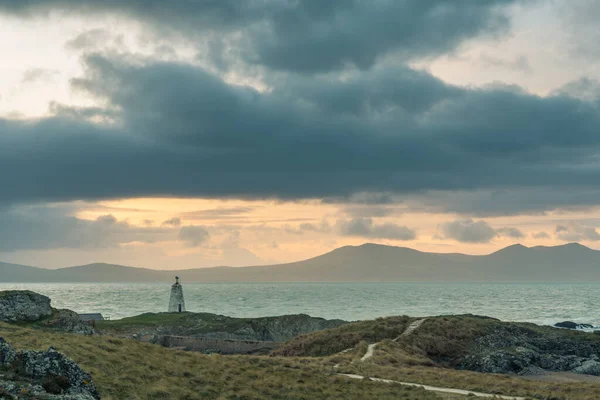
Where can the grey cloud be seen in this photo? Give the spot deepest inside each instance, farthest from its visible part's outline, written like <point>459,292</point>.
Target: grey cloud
<point>38,74</point>
<point>575,232</point>
<point>541,235</point>
<point>194,235</point>
<point>584,88</point>
<point>176,221</point>
<point>306,36</point>
<point>513,233</point>
<point>181,131</point>
<point>49,227</point>
<point>322,227</point>
<point>504,202</point>
<point>469,231</point>
<point>94,39</point>
<point>579,20</point>
<point>218,213</point>
<point>367,212</point>
<point>365,227</point>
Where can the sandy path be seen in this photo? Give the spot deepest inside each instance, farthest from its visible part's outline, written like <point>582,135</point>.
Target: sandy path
<point>369,352</point>
<point>411,328</point>
<point>437,389</point>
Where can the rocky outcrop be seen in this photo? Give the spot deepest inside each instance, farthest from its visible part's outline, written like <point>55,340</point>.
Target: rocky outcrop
<point>573,325</point>
<point>23,305</point>
<point>68,321</point>
<point>152,327</point>
<point>285,327</point>
<point>42,374</point>
<point>515,349</point>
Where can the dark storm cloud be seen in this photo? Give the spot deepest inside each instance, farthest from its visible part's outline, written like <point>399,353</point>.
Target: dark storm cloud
<point>537,200</point>
<point>366,228</point>
<point>308,35</point>
<point>179,131</point>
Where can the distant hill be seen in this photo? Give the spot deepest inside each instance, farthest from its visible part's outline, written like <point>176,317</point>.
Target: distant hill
<point>366,263</point>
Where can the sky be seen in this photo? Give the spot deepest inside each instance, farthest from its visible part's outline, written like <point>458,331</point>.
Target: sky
<point>190,134</point>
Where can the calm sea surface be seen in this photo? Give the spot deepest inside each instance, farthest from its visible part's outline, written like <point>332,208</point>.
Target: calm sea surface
<point>541,303</point>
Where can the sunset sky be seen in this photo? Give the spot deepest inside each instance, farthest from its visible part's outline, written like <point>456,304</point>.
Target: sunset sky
<point>188,134</point>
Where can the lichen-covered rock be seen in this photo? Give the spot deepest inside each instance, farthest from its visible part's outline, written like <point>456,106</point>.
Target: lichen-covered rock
<point>7,353</point>
<point>48,373</point>
<point>589,367</point>
<point>23,305</point>
<point>517,349</point>
<point>69,321</point>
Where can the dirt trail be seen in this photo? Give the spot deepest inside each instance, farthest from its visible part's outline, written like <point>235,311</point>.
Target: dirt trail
<point>437,389</point>
<point>410,329</point>
<point>369,352</point>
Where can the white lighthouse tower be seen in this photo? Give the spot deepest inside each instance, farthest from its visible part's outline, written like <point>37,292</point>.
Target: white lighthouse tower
<point>176,303</point>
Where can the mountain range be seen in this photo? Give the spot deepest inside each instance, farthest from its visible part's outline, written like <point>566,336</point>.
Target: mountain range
<point>366,263</point>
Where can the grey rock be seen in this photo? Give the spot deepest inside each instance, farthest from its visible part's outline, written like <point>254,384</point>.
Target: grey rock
<point>573,325</point>
<point>517,349</point>
<point>69,321</point>
<point>589,367</point>
<point>43,373</point>
<point>23,305</point>
<point>7,354</point>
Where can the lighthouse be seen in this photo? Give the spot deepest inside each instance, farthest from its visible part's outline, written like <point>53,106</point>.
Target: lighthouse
<point>176,303</point>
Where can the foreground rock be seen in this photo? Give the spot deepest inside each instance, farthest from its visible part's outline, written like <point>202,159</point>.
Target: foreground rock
<point>573,325</point>
<point>23,306</point>
<point>42,374</point>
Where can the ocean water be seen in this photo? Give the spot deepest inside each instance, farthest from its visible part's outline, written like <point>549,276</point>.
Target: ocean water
<point>541,303</point>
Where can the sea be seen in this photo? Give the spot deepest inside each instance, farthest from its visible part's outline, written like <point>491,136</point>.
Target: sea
<point>540,303</point>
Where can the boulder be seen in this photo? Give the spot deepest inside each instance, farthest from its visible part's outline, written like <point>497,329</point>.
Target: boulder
<point>43,374</point>
<point>69,321</point>
<point>573,325</point>
<point>23,306</point>
<point>590,367</point>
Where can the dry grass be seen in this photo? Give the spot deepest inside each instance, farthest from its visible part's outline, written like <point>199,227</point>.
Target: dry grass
<point>422,356</point>
<point>127,369</point>
<point>332,341</point>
